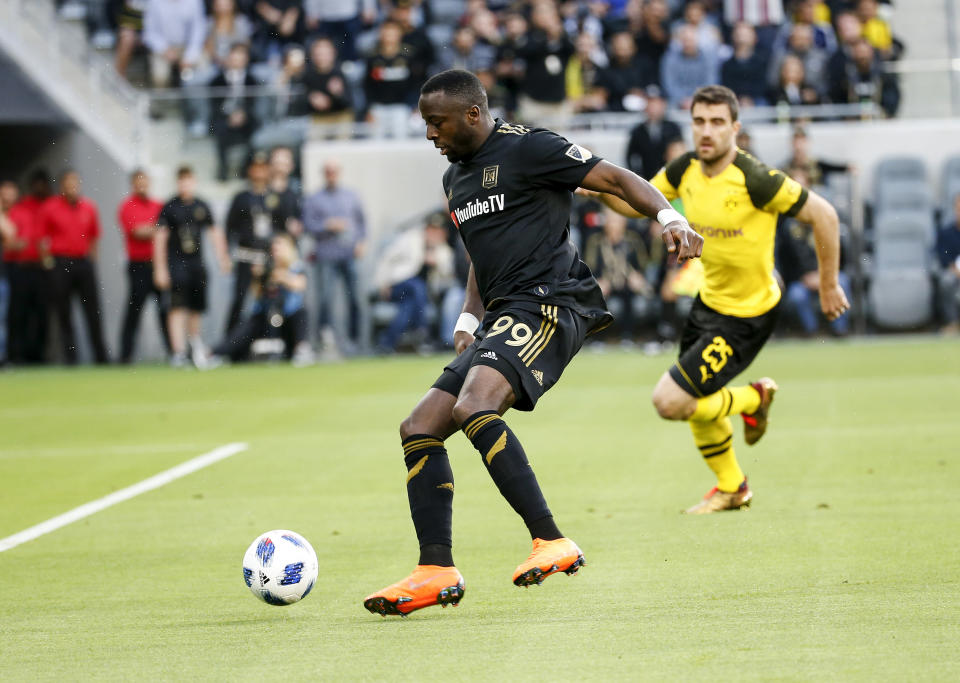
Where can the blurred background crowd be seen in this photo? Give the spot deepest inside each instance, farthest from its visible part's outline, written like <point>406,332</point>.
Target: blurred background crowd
<point>309,281</point>
<point>267,72</point>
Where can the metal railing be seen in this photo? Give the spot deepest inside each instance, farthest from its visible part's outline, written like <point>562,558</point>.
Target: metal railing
<point>271,104</point>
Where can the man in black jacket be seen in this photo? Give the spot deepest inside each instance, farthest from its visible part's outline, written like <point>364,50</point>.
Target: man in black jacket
<point>646,151</point>
<point>233,119</point>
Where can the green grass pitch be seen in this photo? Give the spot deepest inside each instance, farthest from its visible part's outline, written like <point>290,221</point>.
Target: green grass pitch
<point>846,568</point>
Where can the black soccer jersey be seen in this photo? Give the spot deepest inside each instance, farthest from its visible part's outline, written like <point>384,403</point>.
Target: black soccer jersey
<point>249,221</point>
<point>511,203</point>
<point>282,207</point>
<point>186,222</point>
<point>253,219</point>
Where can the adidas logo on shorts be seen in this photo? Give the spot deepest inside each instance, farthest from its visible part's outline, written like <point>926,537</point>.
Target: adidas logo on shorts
<point>537,375</point>
<point>489,354</point>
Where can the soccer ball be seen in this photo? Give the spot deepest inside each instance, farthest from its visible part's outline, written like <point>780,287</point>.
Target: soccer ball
<point>280,567</point>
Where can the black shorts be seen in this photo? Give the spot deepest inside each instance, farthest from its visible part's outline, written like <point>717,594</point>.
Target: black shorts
<point>529,344</point>
<point>188,288</point>
<point>715,348</point>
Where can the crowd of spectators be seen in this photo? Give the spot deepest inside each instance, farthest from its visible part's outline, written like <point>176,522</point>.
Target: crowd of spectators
<point>336,62</point>
<point>265,241</point>
<point>276,245</point>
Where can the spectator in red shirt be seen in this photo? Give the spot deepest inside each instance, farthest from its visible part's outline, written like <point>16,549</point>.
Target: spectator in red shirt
<point>137,218</point>
<point>8,241</point>
<point>27,316</point>
<point>71,229</point>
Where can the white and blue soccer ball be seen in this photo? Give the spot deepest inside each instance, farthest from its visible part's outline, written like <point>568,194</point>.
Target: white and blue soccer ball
<point>280,567</point>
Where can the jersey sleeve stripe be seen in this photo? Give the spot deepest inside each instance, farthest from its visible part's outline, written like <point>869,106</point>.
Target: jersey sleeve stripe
<point>797,205</point>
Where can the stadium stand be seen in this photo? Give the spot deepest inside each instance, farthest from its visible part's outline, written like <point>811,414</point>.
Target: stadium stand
<point>610,94</point>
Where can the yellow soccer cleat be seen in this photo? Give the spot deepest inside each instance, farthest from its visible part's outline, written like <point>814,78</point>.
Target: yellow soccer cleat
<point>755,424</point>
<point>548,557</point>
<point>718,501</point>
<point>428,585</point>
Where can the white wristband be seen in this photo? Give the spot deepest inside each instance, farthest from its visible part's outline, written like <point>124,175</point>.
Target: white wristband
<point>665,216</point>
<point>467,322</point>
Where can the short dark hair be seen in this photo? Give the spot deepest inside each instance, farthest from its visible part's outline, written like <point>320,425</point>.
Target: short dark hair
<point>184,171</point>
<point>717,94</point>
<point>39,176</point>
<point>458,84</point>
<point>136,173</point>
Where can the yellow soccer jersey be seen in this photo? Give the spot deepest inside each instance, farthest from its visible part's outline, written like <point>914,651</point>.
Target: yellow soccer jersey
<point>736,212</point>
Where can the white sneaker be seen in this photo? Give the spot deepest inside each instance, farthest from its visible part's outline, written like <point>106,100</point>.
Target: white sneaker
<point>200,355</point>
<point>329,351</point>
<point>179,360</point>
<point>303,355</point>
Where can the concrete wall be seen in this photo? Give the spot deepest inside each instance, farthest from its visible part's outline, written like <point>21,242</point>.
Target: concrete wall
<point>399,179</point>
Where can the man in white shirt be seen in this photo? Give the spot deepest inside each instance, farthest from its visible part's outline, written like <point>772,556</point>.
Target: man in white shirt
<point>174,32</point>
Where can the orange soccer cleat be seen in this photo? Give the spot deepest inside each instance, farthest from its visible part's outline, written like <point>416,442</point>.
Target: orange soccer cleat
<point>428,585</point>
<point>548,557</point>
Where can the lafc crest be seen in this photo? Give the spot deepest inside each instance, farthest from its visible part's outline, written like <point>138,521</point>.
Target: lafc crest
<point>490,176</point>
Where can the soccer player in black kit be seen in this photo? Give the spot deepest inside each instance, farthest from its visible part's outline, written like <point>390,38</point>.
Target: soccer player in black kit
<point>509,190</point>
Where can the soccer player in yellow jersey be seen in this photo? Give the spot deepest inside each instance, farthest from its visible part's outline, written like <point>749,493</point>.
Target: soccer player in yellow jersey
<point>733,200</point>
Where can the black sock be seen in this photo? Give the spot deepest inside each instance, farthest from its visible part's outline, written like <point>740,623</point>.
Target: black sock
<point>430,492</point>
<point>511,472</point>
<point>436,554</point>
<point>544,528</point>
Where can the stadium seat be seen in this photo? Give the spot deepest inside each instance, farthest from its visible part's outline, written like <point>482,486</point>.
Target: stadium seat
<point>899,169</point>
<point>899,252</point>
<point>901,298</point>
<point>904,225</point>
<point>904,195</point>
<point>447,11</point>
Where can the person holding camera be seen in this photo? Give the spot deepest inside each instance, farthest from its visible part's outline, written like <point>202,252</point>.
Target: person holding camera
<point>277,326</point>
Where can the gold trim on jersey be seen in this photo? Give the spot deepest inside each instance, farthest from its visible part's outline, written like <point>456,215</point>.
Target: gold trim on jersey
<point>687,377</point>
<point>536,346</point>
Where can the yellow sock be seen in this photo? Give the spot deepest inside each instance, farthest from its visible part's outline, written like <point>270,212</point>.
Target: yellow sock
<point>715,441</point>
<point>727,401</point>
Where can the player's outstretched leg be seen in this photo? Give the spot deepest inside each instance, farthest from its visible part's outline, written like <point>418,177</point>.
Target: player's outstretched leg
<point>713,435</point>
<point>434,581</point>
<point>486,394</point>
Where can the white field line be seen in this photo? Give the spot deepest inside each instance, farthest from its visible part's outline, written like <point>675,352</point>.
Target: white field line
<point>94,506</point>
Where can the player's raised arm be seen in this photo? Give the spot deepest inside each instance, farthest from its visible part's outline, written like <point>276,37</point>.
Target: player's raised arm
<point>471,316</point>
<point>818,212</point>
<point>646,200</point>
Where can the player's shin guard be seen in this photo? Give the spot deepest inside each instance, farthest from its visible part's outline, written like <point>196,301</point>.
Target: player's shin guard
<point>511,472</point>
<point>715,441</point>
<point>727,401</point>
<point>430,492</point>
